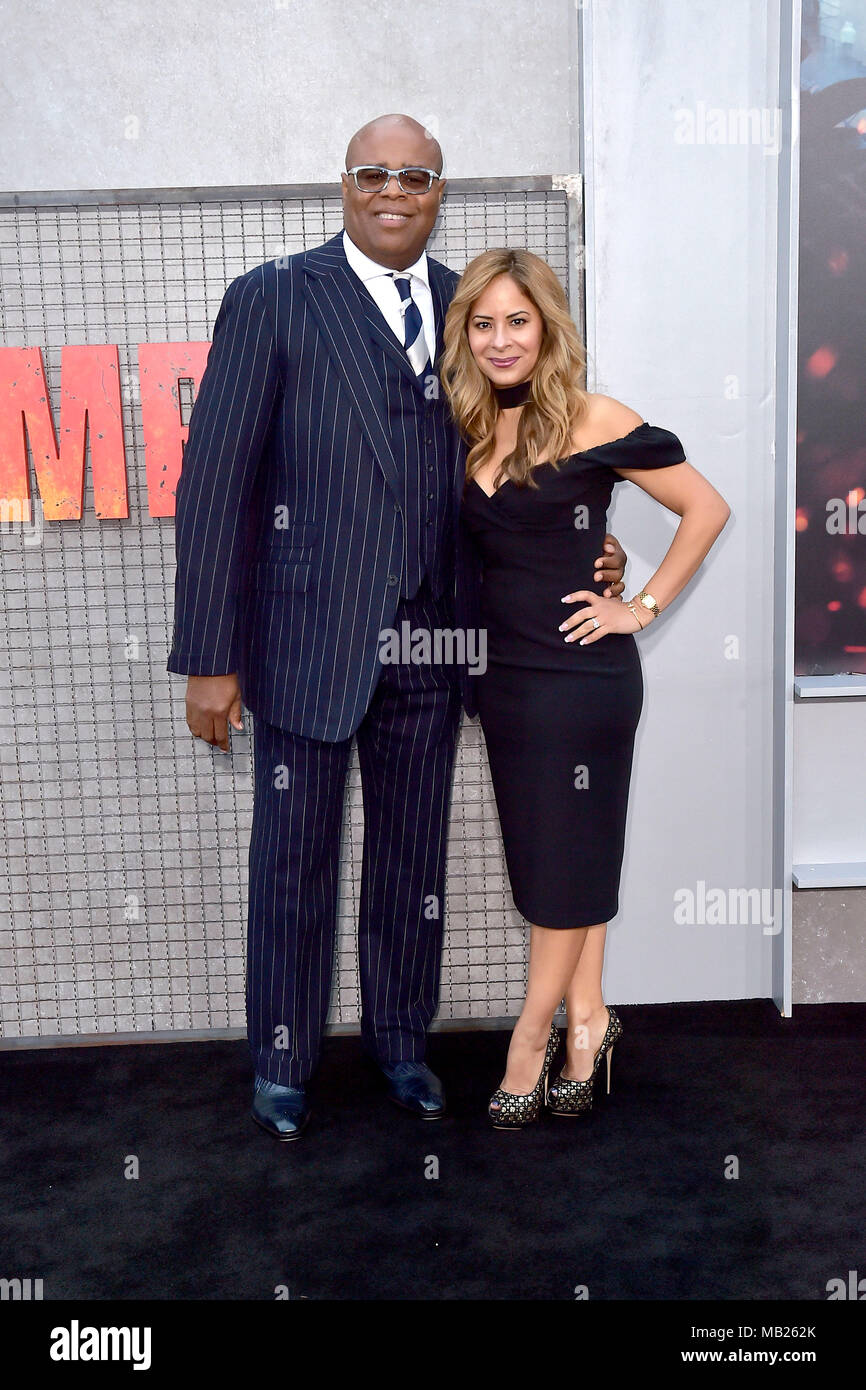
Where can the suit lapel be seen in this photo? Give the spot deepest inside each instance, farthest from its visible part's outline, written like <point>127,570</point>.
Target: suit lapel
<point>380,334</point>
<point>440,304</point>
<point>351,322</point>
<point>334,295</point>
<point>439,284</point>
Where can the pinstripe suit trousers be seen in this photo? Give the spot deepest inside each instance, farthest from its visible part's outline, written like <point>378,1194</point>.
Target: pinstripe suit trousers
<point>406,743</point>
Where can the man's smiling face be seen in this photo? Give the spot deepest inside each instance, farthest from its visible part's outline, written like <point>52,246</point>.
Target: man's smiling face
<point>392,227</point>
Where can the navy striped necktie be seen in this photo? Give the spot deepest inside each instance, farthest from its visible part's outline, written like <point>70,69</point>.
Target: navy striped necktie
<point>414,340</point>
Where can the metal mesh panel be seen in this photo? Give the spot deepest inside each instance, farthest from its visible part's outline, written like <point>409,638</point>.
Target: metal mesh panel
<point>123,842</point>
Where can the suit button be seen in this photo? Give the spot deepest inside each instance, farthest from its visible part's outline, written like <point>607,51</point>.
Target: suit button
<point>392,579</point>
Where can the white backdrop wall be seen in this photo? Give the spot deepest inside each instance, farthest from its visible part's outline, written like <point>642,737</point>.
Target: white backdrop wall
<point>681,254</point>
<point>144,93</point>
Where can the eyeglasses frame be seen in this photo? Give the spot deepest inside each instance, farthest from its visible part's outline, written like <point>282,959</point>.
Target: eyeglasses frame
<point>393,173</point>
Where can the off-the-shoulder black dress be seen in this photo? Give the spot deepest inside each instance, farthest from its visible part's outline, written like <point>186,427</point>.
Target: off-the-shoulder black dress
<point>559,719</point>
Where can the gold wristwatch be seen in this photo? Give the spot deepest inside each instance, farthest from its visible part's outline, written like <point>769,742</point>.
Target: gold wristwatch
<point>647,601</point>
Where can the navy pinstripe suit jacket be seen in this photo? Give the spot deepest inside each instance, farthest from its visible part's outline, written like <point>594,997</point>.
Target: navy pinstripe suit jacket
<point>291,406</point>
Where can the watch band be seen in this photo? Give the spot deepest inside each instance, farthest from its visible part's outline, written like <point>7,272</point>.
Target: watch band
<point>647,601</point>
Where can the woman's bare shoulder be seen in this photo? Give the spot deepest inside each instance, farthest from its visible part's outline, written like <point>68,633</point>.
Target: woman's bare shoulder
<point>605,410</point>
<point>605,418</point>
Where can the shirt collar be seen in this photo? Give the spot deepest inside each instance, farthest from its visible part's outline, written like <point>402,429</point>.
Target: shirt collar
<point>366,269</point>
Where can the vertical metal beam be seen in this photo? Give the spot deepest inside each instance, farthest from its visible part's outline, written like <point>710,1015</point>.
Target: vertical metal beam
<point>585,159</point>
<point>785,495</point>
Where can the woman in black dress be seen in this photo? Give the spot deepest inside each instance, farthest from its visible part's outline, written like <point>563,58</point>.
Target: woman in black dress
<point>561,696</point>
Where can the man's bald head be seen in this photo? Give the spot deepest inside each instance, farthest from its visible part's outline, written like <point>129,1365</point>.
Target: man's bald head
<point>404,128</point>
<point>392,226</point>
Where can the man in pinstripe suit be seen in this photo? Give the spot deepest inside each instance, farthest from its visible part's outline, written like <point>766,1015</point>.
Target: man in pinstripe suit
<point>317,508</point>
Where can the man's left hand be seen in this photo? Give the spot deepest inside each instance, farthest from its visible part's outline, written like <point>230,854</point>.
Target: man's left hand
<point>610,567</point>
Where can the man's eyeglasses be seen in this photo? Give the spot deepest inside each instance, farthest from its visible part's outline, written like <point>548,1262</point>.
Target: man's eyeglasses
<point>373,178</point>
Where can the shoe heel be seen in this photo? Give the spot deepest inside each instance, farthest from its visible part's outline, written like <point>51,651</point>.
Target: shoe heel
<point>516,1111</point>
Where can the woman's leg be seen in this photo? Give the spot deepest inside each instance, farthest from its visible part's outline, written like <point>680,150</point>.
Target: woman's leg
<point>553,958</point>
<point>587,1014</point>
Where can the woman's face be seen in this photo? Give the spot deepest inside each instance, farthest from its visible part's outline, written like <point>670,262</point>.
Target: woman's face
<point>505,330</point>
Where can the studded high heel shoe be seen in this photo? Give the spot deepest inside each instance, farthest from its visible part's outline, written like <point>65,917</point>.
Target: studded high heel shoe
<point>569,1097</point>
<point>515,1111</point>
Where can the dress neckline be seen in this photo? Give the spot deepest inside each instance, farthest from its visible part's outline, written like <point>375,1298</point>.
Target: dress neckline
<point>579,454</point>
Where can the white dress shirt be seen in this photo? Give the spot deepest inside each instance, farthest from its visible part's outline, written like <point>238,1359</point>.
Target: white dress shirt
<point>380,282</point>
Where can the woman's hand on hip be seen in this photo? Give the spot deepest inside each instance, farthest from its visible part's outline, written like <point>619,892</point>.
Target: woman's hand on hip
<point>610,614</point>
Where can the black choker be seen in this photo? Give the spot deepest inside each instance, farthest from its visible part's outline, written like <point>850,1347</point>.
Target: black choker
<point>508,396</point>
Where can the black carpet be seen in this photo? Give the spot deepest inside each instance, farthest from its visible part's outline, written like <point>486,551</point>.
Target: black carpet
<point>631,1201</point>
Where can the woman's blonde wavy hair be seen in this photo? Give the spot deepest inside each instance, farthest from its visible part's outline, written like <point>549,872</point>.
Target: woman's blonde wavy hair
<point>558,399</point>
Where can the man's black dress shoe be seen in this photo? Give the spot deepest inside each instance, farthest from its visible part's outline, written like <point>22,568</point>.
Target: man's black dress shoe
<point>413,1085</point>
<point>282,1110</point>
